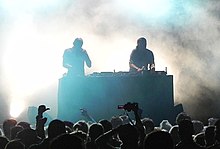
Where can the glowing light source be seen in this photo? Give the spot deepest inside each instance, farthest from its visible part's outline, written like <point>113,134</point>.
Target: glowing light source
<point>25,62</point>
<point>16,108</point>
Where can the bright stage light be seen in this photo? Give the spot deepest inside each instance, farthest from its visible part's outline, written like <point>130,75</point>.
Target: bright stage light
<point>16,108</point>
<point>30,61</point>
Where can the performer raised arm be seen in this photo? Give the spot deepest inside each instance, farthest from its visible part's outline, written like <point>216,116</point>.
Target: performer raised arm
<point>75,57</point>
<point>141,58</point>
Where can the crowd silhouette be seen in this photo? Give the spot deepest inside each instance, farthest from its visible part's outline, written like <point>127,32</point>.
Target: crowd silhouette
<point>119,132</point>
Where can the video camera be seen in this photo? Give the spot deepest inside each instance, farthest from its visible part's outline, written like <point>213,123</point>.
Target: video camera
<point>129,106</point>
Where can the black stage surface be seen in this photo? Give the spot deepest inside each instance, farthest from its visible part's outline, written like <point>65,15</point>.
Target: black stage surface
<point>101,93</point>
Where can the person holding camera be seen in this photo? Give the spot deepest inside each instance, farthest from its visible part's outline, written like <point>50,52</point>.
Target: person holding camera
<point>130,135</point>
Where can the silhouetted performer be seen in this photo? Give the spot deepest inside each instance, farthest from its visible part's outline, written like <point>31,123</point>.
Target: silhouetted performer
<point>141,58</point>
<point>74,59</point>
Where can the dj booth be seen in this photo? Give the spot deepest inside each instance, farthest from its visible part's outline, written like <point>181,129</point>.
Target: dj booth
<point>101,94</point>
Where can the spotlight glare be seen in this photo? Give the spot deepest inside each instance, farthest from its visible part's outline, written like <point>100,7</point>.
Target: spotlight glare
<point>16,108</point>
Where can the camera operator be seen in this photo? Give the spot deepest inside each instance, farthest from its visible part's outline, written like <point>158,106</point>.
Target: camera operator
<point>132,136</point>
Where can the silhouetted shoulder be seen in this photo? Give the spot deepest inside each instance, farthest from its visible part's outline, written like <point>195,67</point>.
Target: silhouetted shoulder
<point>68,50</point>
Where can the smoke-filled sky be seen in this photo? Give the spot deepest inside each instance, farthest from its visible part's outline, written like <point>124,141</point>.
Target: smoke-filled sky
<point>184,36</point>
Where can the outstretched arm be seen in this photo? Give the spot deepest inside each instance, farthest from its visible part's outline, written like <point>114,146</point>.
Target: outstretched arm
<point>85,114</point>
<point>40,121</point>
<point>139,124</point>
<point>88,62</point>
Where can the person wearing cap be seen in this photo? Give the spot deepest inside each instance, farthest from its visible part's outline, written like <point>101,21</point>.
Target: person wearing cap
<point>74,59</point>
<point>141,58</point>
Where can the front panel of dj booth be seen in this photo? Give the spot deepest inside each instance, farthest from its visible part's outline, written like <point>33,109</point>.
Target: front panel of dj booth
<point>101,95</point>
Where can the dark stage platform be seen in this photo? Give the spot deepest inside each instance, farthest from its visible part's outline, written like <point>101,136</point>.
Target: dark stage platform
<point>101,93</point>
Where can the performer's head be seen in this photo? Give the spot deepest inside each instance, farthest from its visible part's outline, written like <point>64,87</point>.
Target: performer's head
<point>78,42</point>
<point>142,43</point>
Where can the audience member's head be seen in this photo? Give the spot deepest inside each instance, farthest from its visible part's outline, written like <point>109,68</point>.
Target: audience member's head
<point>148,124</point>
<point>174,134</point>
<point>116,121</point>
<point>212,121</point>
<point>210,135</point>
<point>67,141</point>
<point>182,116</point>
<point>107,125</point>
<point>95,130</point>
<point>69,125</point>
<point>15,130</point>
<point>25,125</point>
<point>186,130</point>
<point>198,126</point>
<point>158,140</point>
<point>55,128</point>
<point>128,134</point>
<point>7,125</point>
<point>81,126</point>
<point>84,126</point>
<point>217,130</point>
<point>28,137</point>
<point>199,138</point>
